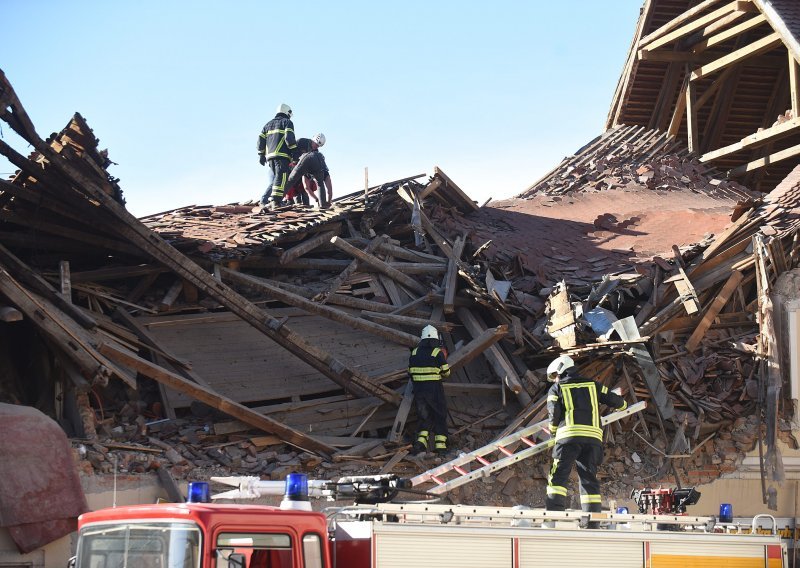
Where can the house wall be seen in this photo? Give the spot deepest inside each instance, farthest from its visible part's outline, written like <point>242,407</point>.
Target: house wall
<point>100,493</point>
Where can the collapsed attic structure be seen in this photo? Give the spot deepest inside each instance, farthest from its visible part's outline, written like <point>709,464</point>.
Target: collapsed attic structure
<point>252,342</point>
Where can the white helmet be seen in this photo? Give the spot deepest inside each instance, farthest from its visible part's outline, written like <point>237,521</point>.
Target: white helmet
<point>429,332</point>
<point>559,366</point>
<point>285,109</point>
<point>319,138</point>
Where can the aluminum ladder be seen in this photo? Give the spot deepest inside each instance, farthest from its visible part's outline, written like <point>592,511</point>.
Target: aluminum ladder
<point>457,472</point>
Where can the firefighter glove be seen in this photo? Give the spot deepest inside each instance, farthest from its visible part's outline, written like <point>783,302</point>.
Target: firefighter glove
<point>262,159</point>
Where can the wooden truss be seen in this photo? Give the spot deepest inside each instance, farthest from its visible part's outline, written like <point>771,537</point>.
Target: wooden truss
<point>687,40</point>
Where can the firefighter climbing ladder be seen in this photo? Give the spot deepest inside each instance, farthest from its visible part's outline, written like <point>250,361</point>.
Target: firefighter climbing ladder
<point>506,449</point>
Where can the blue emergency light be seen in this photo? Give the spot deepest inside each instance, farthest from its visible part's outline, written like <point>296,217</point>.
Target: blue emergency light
<point>295,496</point>
<point>726,513</point>
<point>198,492</point>
<point>296,487</point>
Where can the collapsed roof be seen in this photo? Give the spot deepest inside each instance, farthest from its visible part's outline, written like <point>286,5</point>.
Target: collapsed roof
<point>639,260</point>
<point>722,76</point>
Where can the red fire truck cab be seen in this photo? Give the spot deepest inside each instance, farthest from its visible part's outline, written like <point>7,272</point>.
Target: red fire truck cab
<point>194,535</point>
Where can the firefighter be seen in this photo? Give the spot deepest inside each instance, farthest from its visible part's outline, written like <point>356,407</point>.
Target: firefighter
<point>311,166</point>
<point>428,367</point>
<point>573,407</point>
<point>276,143</point>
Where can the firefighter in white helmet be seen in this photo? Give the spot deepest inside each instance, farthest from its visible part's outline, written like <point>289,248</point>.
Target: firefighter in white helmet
<point>276,143</point>
<point>573,408</point>
<point>428,367</point>
<point>310,173</point>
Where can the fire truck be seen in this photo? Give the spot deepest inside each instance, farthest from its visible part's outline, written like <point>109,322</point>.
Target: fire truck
<point>373,533</point>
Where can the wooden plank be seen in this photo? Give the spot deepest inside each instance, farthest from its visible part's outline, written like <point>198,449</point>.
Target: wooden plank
<point>350,269</point>
<point>451,279</point>
<point>765,161</point>
<point>714,309</point>
<point>221,403</point>
<point>171,295</point>
<point>65,281</point>
<point>730,33</point>
<point>677,21</point>
<point>680,107</point>
<point>660,37</point>
<point>432,186</point>
<point>307,246</point>
<point>325,311</point>
<point>410,306</point>
<point>497,360</point>
<point>760,138</point>
<point>469,203</point>
<point>24,274</point>
<point>756,48</point>
<point>380,265</point>
<point>691,118</point>
<point>793,86</point>
<point>396,434</point>
<point>686,291</point>
<point>419,323</point>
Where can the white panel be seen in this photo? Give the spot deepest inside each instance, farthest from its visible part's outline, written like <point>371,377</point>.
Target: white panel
<point>794,349</point>
<point>723,547</point>
<point>582,551</point>
<point>421,550</point>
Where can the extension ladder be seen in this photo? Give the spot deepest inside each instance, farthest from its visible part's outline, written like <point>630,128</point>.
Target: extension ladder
<point>507,457</point>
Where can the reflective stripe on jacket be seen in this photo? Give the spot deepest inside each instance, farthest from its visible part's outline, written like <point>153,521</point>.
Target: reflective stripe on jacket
<point>428,363</point>
<point>277,138</point>
<point>573,404</point>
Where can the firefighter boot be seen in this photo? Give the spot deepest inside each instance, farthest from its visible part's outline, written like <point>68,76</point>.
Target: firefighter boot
<point>421,445</point>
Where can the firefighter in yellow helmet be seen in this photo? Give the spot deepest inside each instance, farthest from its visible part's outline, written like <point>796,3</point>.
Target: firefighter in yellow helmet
<point>573,407</point>
<point>428,367</point>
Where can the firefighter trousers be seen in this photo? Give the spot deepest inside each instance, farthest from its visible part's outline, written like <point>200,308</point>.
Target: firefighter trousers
<point>280,169</point>
<point>587,455</point>
<point>431,407</point>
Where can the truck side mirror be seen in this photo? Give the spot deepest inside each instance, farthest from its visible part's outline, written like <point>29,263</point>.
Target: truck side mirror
<point>237,560</point>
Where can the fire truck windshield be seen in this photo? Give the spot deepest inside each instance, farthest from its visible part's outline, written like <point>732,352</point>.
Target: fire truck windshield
<point>153,544</point>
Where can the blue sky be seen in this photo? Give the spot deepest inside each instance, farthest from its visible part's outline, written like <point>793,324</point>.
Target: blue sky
<point>495,94</point>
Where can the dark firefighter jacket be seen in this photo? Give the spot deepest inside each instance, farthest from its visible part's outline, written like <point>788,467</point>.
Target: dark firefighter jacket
<point>428,363</point>
<point>277,138</point>
<point>573,405</point>
<point>303,146</point>
<point>311,163</point>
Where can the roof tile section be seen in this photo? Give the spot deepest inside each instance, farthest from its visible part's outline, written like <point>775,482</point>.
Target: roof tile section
<point>789,13</point>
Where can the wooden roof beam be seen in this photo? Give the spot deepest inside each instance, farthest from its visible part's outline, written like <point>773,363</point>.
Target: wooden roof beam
<point>728,34</point>
<point>648,44</point>
<point>755,140</point>
<point>756,48</point>
<point>677,21</point>
<point>794,88</point>
<point>765,161</point>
